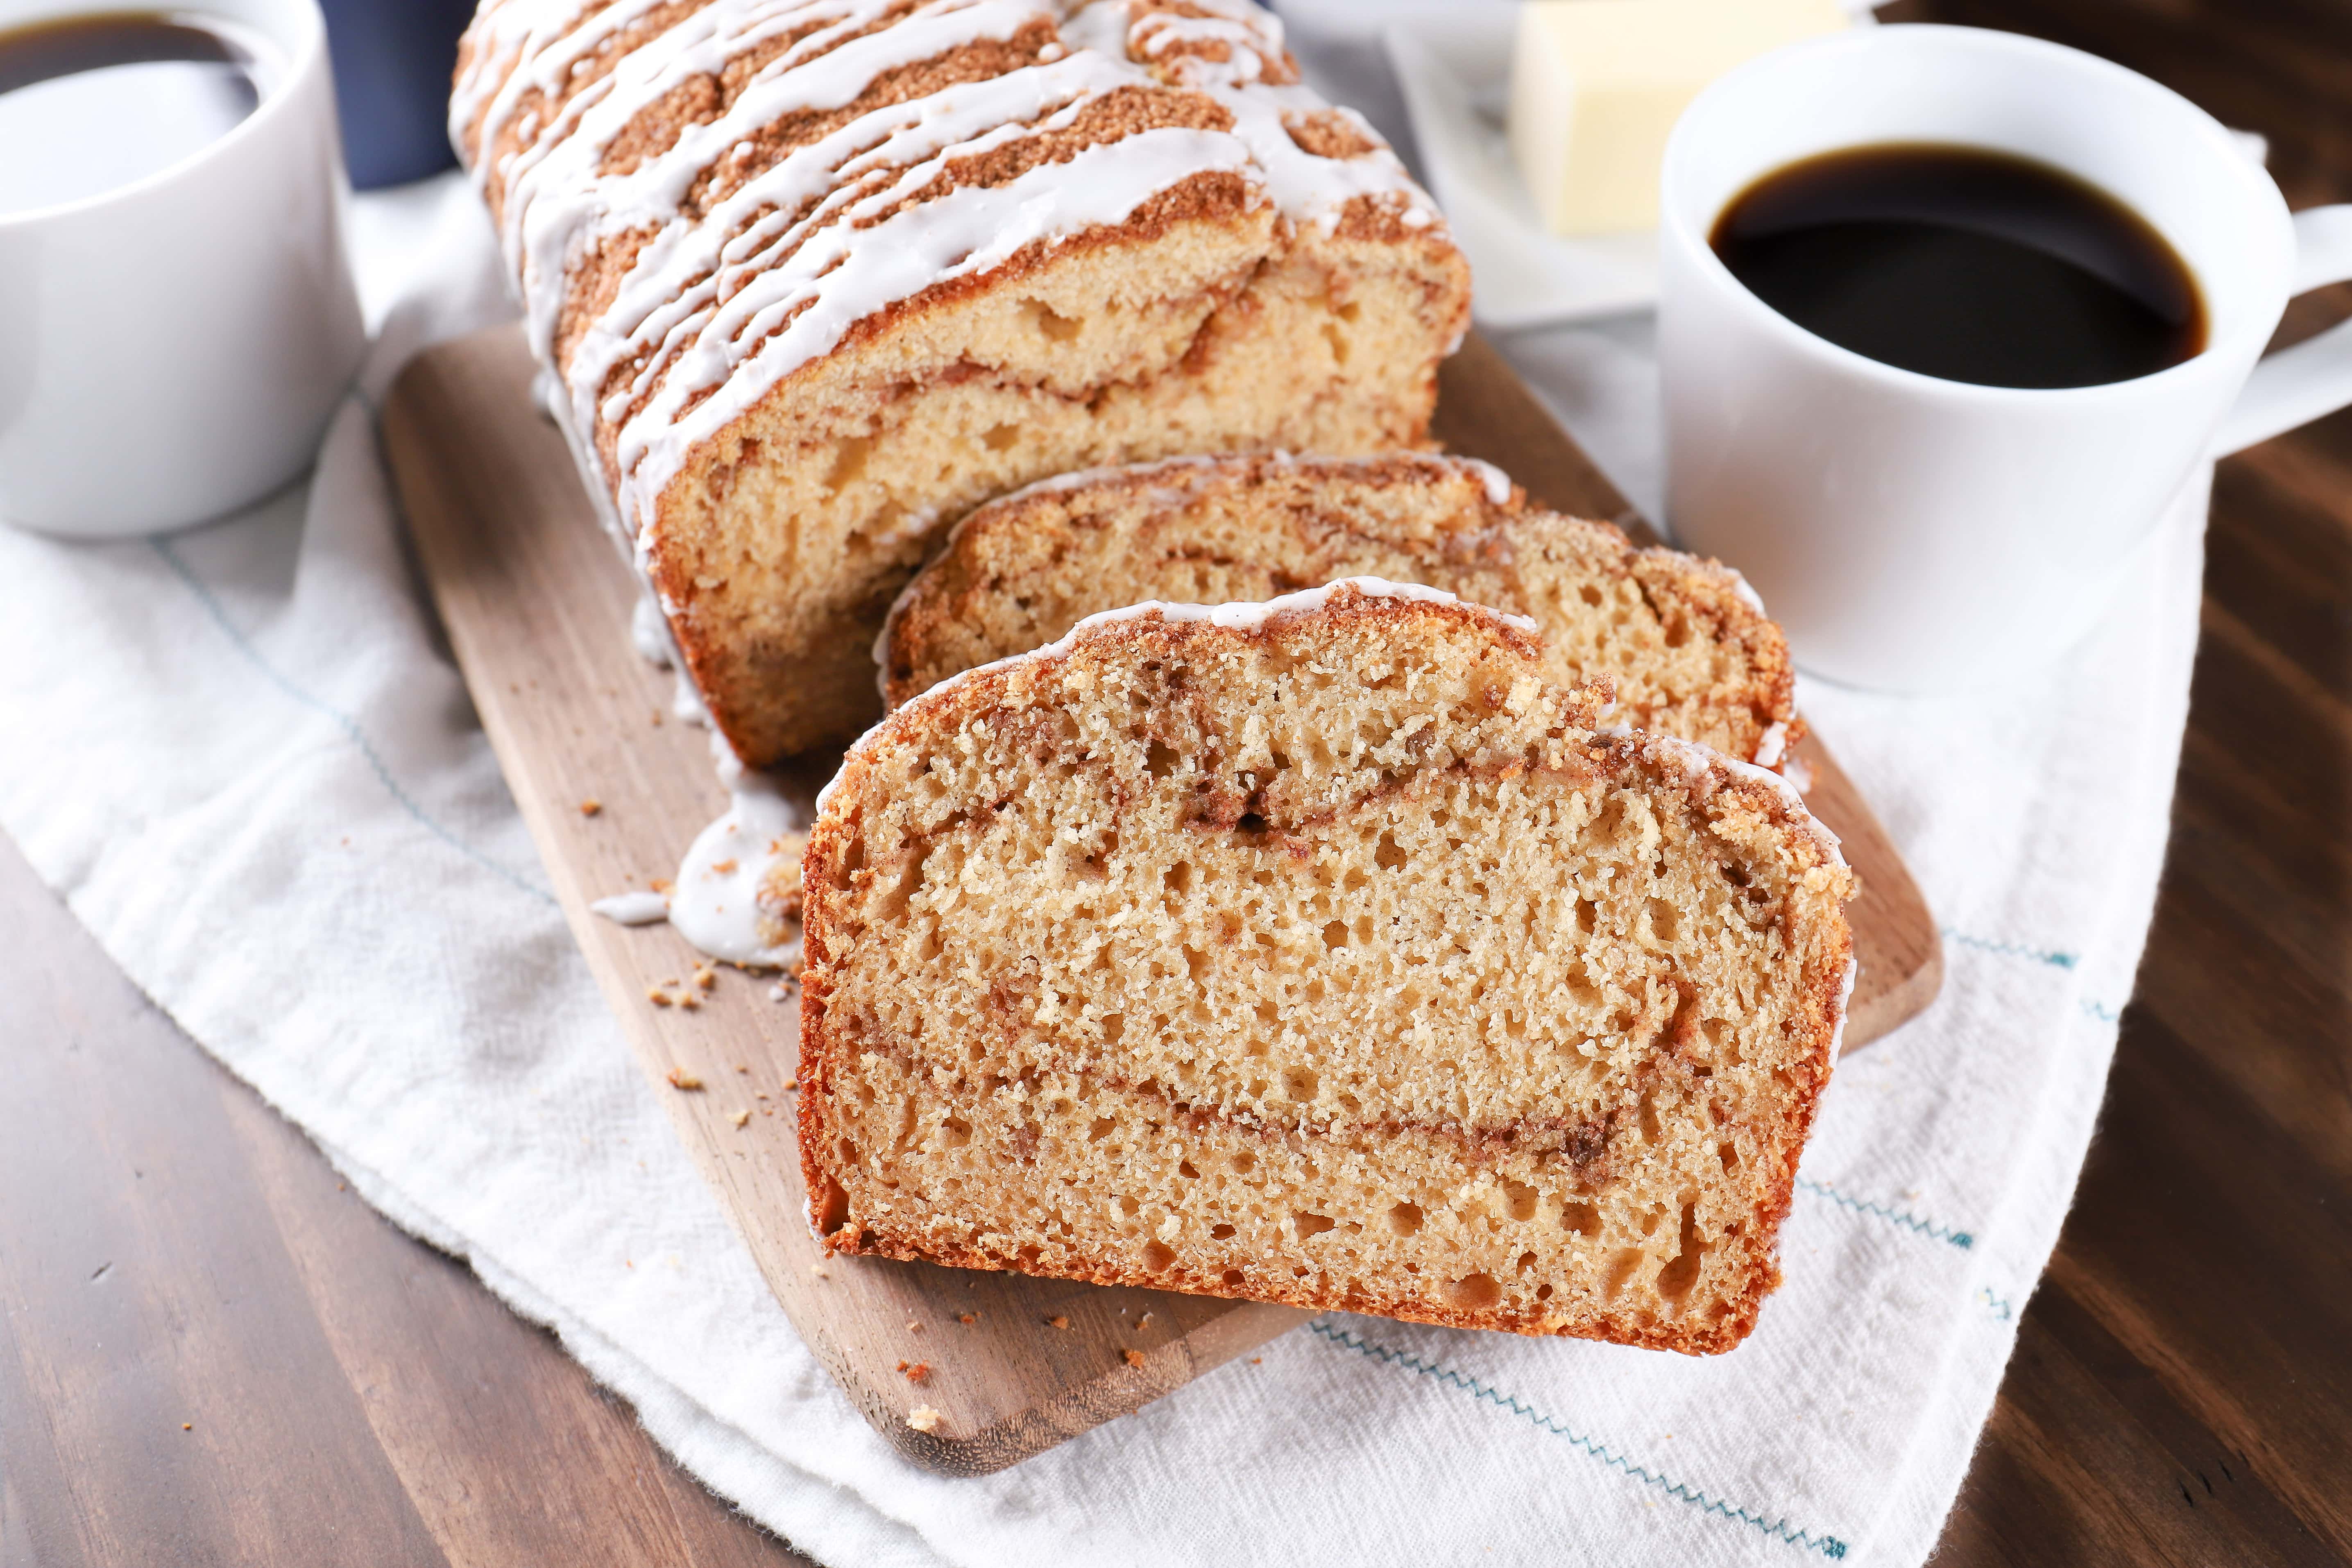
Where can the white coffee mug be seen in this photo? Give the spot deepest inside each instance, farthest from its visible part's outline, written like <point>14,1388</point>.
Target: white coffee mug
<point>1912,533</point>
<point>171,349</point>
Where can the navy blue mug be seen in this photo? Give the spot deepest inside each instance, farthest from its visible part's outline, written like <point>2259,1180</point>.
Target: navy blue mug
<point>392,61</point>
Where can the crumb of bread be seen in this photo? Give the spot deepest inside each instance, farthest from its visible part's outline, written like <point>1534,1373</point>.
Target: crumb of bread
<point>1132,1358</point>
<point>740,1068</point>
<point>1059,1322</point>
<point>689,1001</point>
<point>923,1418</point>
<point>724,868</point>
<point>679,1079</point>
<point>741,1119</point>
<point>967,1317</point>
<point>705,977</point>
<point>591,807</point>
<point>659,884</point>
<point>916,1371</point>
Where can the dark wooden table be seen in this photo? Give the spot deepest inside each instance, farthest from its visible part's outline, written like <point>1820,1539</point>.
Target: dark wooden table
<point>211,1353</point>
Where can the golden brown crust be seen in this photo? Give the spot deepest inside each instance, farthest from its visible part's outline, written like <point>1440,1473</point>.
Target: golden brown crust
<point>1214,338</point>
<point>1746,806</point>
<point>1424,520</point>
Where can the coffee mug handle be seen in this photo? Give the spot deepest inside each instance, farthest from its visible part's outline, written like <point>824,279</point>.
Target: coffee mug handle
<point>2296,386</point>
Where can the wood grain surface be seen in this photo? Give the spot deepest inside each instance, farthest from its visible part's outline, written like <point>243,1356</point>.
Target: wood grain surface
<point>536,601</point>
<point>2182,1376</point>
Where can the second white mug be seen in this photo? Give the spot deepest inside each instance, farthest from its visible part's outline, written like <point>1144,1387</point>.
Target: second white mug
<point>171,349</point>
<point>1913,533</point>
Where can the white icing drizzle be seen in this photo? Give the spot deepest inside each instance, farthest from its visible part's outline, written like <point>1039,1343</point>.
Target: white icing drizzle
<point>1846,996</point>
<point>649,633</point>
<point>1498,483</point>
<point>638,909</point>
<point>1699,765</point>
<point>715,310</point>
<point>721,900</point>
<point>1772,745</point>
<point>1251,615</point>
<point>1745,590</point>
<point>1246,43</point>
<point>796,310</point>
<point>1172,482</point>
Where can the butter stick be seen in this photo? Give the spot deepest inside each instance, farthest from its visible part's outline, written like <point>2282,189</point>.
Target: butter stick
<point>1597,84</point>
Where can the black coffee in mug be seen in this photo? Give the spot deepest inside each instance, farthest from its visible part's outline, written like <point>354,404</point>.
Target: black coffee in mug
<point>91,103</point>
<point>1965,264</point>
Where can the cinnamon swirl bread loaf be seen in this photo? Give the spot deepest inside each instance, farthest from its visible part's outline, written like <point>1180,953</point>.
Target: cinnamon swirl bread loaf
<point>816,277</point>
<point>1318,952</point>
<point>1685,640</point>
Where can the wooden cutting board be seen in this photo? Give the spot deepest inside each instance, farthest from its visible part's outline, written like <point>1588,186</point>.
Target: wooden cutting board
<point>536,601</point>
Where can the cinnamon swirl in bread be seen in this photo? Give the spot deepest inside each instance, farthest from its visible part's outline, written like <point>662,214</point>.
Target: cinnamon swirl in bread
<point>814,277</point>
<point>1318,952</point>
<point>1685,640</point>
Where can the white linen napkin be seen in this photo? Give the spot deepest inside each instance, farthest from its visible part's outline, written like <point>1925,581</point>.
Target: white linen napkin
<point>240,756</point>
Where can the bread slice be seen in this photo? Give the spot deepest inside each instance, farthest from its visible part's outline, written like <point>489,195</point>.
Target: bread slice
<point>1689,646</point>
<point>812,279</point>
<point>1318,952</point>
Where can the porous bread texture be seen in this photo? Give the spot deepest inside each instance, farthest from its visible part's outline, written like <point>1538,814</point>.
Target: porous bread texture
<point>1319,952</point>
<point>1690,650</point>
<point>784,545</point>
<point>1276,281</point>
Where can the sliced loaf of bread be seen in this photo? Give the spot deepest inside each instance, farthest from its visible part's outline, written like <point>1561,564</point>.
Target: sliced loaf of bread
<point>1318,952</point>
<point>1691,650</point>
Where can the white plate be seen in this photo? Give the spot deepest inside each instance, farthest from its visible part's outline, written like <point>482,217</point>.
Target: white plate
<point>1455,74</point>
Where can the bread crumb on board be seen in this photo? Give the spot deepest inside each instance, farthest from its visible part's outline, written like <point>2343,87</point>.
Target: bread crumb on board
<point>741,1119</point>
<point>1132,1358</point>
<point>1058,1322</point>
<point>923,1418</point>
<point>591,807</point>
<point>917,1372</point>
<point>679,1079</point>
